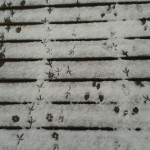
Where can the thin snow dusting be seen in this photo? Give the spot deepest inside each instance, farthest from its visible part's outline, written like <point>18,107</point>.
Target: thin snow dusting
<point>74,75</point>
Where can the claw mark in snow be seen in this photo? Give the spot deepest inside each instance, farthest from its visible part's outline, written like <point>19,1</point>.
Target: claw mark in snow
<point>126,71</point>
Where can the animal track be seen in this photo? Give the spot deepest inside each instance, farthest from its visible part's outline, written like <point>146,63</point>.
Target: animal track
<point>15,118</point>
<point>87,96</point>
<point>116,109</point>
<point>49,117</point>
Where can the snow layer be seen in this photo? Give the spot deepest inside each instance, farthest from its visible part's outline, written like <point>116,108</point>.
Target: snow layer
<point>79,140</point>
<point>46,2</point>
<point>97,13</point>
<point>119,92</point>
<point>78,49</point>
<point>76,115</point>
<point>117,29</point>
<point>75,69</point>
<point>122,106</point>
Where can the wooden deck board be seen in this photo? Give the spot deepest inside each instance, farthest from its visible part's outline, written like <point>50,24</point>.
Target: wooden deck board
<point>118,92</point>
<point>76,115</point>
<point>77,31</point>
<point>123,69</point>
<point>93,138</point>
<point>63,2</point>
<point>97,13</point>
<point>78,49</point>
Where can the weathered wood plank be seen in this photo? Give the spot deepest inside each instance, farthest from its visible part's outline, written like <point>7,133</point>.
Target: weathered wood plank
<point>76,115</point>
<point>100,69</point>
<point>9,3</point>
<point>105,92</point>
<point>77,49</point>
<point>97,13</point>
<point>22,3</point>
<point>75,69</point>
<point>81,140</point>
<point>77,31</point>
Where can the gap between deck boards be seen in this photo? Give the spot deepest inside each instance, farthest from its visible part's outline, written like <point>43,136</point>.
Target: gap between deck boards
<point>66,22</point>
<point>69,40</point>
<point>73,80</point>
<point>70,128</point>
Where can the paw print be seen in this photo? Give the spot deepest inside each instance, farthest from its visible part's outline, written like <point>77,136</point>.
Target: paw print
<point>4,5</point>
<point>87,96</point>
<point>78,18</point>
<point>7,20</point>
<point>31,109</point>
<point>55,147</point>
<point>102,15</point>
<point>23,3</point>
<point>135,110</point>
<point>31,121</point>
<point>146,98</point>
<point>61,118</point>
<point>115,13</point>
<point>2,36</point>
<point>125,112</point>
<point>101,98</point>
<point>15,118</point>
<point>68,93</point>
<point>110,8</point>
<point>49,63</point>
<point>143,22</point>
<point>55,136</point>
<point>49,10</point>
<point>112,34</point>
<point>18,29</point>
<point>139,83</point>
<point>2,55</point>
<point>116,109</point>
<point>40,86</point>
<point>126,71</point>
<point>125,53</point>
<point>71,52</point>
<point>9,4</point>
<point>96,85</point>
<point>58,71</point>
<point>49,117</point>
<point>20,138</point>
<point>51,75</point>
<point>68,70</point>
<point>40,98</point>
<point>2,63</point>
<point>44,20</point>
<point>7,28</point>
<point>49,50</point>
<point>12,12</point>
<point>44,41</point>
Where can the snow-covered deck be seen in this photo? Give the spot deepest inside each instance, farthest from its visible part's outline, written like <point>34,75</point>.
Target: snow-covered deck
<point>74,74</point>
